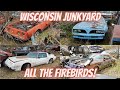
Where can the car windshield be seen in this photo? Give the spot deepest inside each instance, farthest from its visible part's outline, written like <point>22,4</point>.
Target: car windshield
<point>91,55</point>
<point>95,56</point>
<point>32,55</point>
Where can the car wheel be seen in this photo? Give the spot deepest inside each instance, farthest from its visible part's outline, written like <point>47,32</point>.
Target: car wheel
<point>3,63</point>
<point>50,61</point>
<point>25,66</point>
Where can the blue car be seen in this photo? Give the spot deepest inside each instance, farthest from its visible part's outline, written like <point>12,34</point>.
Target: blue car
<point>90,30</point>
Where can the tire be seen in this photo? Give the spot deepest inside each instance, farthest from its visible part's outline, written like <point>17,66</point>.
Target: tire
<point>25,66</point>
<point>50,61</point>
<point>69,48</point>
<point>3,63</point>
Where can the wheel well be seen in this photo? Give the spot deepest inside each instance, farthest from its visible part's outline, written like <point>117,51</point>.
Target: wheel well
<point>3,61</point>
<point>51,58</point>
<point>24,64</point>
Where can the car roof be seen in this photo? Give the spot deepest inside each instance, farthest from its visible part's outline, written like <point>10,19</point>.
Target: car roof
<point>38,52</point>
<point>93,54</point>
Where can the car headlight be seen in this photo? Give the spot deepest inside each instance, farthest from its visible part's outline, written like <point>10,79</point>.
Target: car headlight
<point>100,31</point>
<point>79,30</point>
<point>75,30</point>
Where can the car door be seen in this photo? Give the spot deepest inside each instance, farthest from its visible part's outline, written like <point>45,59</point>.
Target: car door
<point>42,58</point>
<point>99,61</point>
<point>106,60</point>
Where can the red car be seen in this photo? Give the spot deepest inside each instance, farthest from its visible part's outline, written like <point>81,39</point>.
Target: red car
<point>23,31</point>
<point>3,56</point>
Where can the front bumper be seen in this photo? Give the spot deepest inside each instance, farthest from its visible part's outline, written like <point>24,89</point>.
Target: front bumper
<point>89,37</point>
<point>12,66</point>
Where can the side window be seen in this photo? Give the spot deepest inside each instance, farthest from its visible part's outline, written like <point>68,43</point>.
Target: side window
<point>42,55</point>
<point>99,57</point>
<point>107,57</point>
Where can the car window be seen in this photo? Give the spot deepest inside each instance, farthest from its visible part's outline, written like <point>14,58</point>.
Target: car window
<point>32,55</point>
<point>42,55</point>
<point>98,57</point>
<point>91,55</point>
<point>107,57</point>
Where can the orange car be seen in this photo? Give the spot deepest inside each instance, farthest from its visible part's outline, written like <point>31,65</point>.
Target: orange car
<point>23,31</point>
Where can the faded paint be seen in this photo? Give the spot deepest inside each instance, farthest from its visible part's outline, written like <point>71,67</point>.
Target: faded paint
<point>89,30</point>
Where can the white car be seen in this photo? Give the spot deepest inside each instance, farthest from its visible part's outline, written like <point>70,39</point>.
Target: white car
<point>19,63</point>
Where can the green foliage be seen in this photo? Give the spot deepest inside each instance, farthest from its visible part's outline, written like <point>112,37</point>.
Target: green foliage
<point>67,27</point>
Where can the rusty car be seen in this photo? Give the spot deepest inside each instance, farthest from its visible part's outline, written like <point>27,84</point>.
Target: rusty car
<point>94,60</point>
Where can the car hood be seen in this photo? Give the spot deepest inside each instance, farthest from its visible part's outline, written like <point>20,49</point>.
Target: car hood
<point>84,61</point>
<point>18,58</point>
<point>100,25</point>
